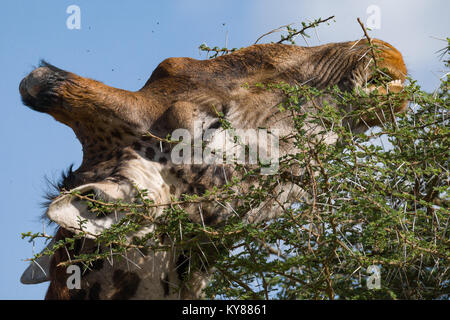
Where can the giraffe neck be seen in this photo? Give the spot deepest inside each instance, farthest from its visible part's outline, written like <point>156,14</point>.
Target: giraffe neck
<point>140,276</point>
<point>136,274</point>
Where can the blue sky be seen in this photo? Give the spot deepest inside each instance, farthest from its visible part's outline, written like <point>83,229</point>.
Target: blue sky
<point>120,43</point>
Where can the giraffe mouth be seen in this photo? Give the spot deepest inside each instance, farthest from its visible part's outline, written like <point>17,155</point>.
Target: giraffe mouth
<point>40,88</point>
<point>394,86</point>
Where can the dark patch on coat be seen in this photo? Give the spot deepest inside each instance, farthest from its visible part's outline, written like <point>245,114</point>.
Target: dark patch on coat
<point>94,292</point>
<point>200,189</point>
<point>211,219</point>
<point>126,284</point>
<point>97,265</point>
<point>150,153</point>
<point>163,160</point>
<point>116,134</point>
<point>137,146</point>
<point>77,294</point>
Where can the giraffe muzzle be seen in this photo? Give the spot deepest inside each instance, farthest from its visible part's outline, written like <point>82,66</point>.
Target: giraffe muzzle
<point>39,89</point>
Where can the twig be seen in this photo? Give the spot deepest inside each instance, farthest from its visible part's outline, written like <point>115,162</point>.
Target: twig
<point>370,42</point>
<point>149,134</point>
<point>311,25</point>
<point>272,31</point>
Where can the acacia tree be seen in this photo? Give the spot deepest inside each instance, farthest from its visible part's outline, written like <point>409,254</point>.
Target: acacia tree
<point>372,226</point>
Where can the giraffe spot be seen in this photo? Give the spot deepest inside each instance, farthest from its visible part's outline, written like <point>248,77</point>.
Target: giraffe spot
<point>211,219</point>
<point>180,173</point>
<point>200,189</point>
<point>163,160</point>
<point>150,153</point>
<point>172,189</point>
<point>77,294</point>
<point>126,284</point>
<point>94,292</point>
<point>97,265</point>
<point>137,146</point>
<point>116,134</point>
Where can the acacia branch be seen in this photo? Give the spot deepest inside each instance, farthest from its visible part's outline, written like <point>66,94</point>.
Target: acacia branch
<point>370,42</point>
<point>311,25</point>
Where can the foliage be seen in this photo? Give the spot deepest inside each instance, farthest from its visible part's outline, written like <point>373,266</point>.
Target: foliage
<point>366,205</point>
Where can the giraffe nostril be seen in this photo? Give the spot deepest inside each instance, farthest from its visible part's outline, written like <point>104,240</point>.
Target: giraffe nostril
<point>32,84</point>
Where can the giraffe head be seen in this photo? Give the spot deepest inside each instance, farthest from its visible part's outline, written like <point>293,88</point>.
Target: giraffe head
<point>119,159</point>
<point>120,156</point>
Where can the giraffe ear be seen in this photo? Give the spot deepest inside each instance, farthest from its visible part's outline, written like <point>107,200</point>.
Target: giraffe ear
<point>71,211</point>
<point>39,270</point>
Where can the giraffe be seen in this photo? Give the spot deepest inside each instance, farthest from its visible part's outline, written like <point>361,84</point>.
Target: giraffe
<point>113,124</point>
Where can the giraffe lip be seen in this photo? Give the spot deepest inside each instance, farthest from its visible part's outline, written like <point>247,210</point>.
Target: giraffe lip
<point>30,85</point>
<point>395,83</point>
<point>29,89</point>
<point>39,89</point>
<point>392,86</point>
